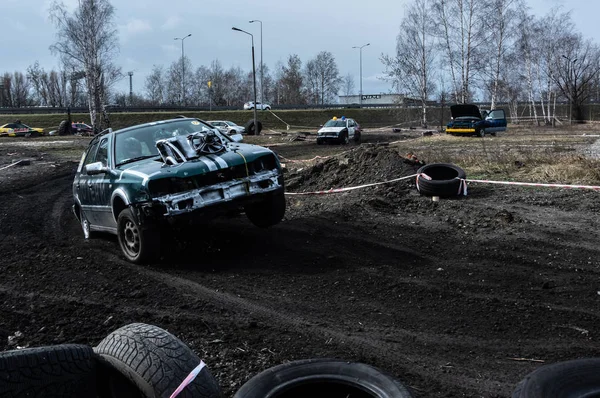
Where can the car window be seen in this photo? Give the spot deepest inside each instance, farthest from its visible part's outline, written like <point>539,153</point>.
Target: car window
<point>10,126</point>
<point>335,123</point>
<point>141,141</point>
<point>496,114</point>
<point>102,154</point>
<point>91,153</point>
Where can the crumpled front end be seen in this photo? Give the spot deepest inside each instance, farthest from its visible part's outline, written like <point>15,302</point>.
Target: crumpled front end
<point>229,192</point>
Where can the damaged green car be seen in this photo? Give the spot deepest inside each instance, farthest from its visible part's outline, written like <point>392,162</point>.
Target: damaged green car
<point>141,181</point>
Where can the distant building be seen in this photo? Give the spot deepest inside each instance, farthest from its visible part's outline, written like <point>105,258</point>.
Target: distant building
<point>372,99</point>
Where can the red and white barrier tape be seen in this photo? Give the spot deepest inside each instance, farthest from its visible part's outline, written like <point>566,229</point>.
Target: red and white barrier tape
<point>303,160</point>
<point>534,184</point>
<point>338,190</point>
<point>188,379</point>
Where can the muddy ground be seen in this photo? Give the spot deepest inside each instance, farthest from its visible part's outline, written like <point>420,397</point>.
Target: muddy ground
<point>458,298</point>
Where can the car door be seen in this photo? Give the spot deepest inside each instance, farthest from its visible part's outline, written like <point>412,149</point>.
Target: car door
<point>496,120</point>
<point>351,129</point>
<point>101,187</point>
<point>80,185</point>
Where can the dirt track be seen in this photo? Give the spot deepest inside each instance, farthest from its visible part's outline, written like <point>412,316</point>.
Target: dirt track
<point>450,297</point>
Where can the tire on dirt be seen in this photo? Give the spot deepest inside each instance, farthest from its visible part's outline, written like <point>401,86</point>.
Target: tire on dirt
<point>578,378</point>
<point>67,370</point>
<point>268,212</point>
<point>64,128</point>
<point>322,378</point>
<point>153,361</point>
<point>147,248</point>
<point>251,129</point>
<point>357,137</point>
<point>445,180</point>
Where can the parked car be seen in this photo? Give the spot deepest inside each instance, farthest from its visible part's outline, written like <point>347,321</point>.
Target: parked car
<point>468,120</point>
<point>340,130</point>
<point>227,127</point>
<point>259,106</point>
<point>147,181</point>
<point>81,129</point>
<point>18,129</point>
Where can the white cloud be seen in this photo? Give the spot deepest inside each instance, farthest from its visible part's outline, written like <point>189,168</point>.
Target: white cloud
<point>135,26</point>
<point>169,48</point>
<point>172,22</point>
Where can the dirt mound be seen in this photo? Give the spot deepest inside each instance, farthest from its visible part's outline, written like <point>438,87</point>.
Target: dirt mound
<point>361,165</point>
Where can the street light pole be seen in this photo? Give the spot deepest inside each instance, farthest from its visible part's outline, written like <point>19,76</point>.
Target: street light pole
<point>262,90</point>
<point>130,88</point>
<point>253,77</point>
<point>182,69</point>
<point>360,50</point>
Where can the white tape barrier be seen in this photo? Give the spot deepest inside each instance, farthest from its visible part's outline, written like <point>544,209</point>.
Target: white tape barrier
<point>534,184</point>
<point>188,379</point>
<point>11,165</point>
<point>338,190</point>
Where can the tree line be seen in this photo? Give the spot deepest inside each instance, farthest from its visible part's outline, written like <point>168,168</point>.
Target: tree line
<point>456,51</point>
<point>493,51</point>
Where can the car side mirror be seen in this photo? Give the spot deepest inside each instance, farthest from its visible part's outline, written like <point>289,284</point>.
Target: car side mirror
<point>236,137</point>
<point>95,168</point>
<point>320,125</point>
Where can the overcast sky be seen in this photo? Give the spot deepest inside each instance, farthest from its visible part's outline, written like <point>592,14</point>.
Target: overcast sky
<point>147,29</point>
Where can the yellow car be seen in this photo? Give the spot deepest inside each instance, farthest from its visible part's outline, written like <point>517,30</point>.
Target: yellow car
<point>19,129</point>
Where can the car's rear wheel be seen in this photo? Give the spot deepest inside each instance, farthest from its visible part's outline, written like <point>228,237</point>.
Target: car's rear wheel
<point>268,212</point>
<point>139,244</point>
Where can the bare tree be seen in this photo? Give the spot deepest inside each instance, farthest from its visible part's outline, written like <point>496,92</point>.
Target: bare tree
<point>462,34</point>
<point>348,84</point>
<point>412,67</point>
<point>155,86</point>
<point>291,81</point>
<point>323,77</point>
<point>500,25</point>
<point>87,38</point>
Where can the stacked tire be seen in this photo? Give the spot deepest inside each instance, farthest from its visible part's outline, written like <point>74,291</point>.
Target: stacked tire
<point>441,179</point>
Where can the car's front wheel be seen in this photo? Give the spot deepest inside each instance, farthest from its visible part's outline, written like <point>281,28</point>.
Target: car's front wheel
<point>139,244</point>
<point>268,212</point>
<point>344,139</point>
<point>482,132</point>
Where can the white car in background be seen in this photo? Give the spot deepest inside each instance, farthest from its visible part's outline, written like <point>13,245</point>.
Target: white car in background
<point>259,106</point>
<point>227,127</point>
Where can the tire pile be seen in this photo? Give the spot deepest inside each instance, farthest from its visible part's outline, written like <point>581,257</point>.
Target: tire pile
<point>145,361</point>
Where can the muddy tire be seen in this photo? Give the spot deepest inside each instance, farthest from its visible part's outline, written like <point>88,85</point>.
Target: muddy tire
<point>344,139</point>
<point>64,128</point>
<point>357,137</point>
<point>319,141</point>
<point>147,361</point>
<point>322,378</point>
<point>481,132</point>
<point>268,212</point>
<point>67,370</point>
<point>578,378</point>
<point>446,180</point>
<point>251,129</point>
<point>140,244</point>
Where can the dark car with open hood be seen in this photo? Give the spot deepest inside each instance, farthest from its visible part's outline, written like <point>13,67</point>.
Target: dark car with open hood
<point>142,182</point>
<point>468,120</point>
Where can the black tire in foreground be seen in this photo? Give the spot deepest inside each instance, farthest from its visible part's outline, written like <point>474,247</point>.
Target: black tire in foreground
<point>268,212</point>
<point>139,243</point>
<point>570,379</point>
<point>147,361</point>
<point>67,370</point>
<point>330,378</point>
<point>251,129</point>
<point>446,180</point>
<point>357,137</point>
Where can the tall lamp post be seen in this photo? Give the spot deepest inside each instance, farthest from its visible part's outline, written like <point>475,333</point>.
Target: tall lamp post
<point>130,88</point>
<point>262,90</point>
<point>360,50</point>
<point>182,69</point>
<point>253,77</point>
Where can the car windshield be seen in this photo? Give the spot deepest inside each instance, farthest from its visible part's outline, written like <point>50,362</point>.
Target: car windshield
<point>140,143</point>
<point>230,123</point>
<point>335,123</point>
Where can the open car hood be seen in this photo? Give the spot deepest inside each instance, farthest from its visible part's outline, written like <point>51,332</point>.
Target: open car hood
<point>465,110</point>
